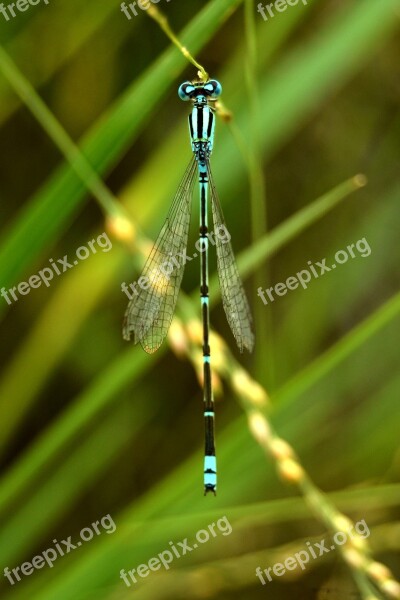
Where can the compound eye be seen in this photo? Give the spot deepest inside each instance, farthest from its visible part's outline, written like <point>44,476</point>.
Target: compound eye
<point>213,88</point>
<point>186,90</point>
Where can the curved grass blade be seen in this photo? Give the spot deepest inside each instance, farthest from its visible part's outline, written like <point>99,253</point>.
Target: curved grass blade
<point>150,311</point>
<point>234,299</point>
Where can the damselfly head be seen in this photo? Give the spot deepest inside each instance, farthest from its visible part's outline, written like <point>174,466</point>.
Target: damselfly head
<point>193,90</point>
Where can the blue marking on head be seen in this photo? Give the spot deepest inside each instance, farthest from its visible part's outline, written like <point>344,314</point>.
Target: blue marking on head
<point>185,90</point>
<point>211,90</point>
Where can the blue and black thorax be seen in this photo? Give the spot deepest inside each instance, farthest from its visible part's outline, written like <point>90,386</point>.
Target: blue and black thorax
<point>201,119</point>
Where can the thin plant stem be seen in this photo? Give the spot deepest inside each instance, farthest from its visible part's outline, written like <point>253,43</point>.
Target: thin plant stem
<point>162,21</point>
<point>258,200</point>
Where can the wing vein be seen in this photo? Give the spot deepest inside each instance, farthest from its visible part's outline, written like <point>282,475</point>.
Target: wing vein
<point>234,299</point>
<point>150,311</point>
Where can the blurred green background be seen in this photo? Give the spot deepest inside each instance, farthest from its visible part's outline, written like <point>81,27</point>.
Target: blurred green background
<point>90,425</point>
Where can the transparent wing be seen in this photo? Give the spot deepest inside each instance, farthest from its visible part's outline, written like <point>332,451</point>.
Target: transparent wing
<point>150,311</point>
<point>234,299</point>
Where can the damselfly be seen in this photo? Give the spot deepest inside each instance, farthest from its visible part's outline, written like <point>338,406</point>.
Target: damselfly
<point>150,311</point>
